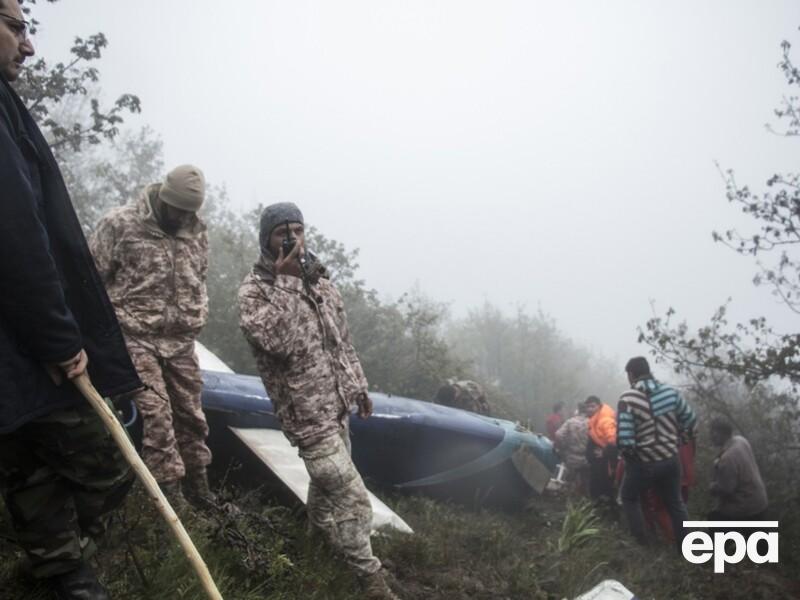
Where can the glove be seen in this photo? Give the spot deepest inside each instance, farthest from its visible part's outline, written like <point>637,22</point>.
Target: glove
<point>364,405</point>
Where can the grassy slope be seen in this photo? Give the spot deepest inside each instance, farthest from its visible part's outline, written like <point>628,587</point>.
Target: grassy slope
<point>457,552</point>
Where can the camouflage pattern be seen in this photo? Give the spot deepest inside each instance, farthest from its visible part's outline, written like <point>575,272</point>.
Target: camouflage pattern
<point>156,282</point>
<point>338,504</point>
<point>571,440</point>
<point>299,336</point>
<point>302,346</point>
<point>59,475</point>
<point>466,395</point>
<point>175,427</point>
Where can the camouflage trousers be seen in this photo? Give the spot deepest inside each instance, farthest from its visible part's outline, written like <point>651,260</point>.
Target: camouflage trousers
<point>338,504</point>
<point>59,475</point>
<point>175,428</point>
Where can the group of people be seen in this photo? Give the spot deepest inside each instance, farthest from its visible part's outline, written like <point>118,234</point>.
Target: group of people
<point>125,309</point>
<point>642,457</point>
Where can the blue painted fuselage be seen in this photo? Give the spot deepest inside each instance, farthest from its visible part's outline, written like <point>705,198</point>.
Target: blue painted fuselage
<point>406,444</point>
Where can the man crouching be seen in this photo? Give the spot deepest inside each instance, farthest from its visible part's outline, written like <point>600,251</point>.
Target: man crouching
<point>294,319</point>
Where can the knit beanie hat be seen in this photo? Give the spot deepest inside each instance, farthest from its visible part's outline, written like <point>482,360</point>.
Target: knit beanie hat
<point>273,216</point>
<point>184,187</point>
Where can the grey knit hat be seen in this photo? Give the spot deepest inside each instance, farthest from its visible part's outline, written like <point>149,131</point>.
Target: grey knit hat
<point>184,187</point>
<point>273,216</point>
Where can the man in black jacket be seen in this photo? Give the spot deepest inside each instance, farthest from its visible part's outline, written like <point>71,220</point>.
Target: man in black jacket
<point>59,469</point>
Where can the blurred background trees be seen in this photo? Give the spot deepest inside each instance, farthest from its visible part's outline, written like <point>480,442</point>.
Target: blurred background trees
<point>408,345</point>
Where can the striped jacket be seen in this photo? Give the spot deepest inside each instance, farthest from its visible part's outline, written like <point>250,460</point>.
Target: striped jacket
<point>651,417</point>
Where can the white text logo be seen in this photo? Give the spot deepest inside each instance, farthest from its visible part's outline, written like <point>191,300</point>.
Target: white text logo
<point>699,547</point>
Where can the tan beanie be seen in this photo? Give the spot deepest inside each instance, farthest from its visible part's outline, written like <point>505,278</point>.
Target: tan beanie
<point>184,187</point>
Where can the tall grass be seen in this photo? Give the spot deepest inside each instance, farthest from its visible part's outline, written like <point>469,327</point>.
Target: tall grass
<point>548,552</point>
<point>581,525</point>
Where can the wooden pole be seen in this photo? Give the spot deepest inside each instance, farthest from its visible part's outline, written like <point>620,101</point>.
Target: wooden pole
<point>117,431</point>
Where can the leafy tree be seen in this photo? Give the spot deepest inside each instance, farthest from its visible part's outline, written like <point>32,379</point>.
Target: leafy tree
<point>101,168</point>
<point>752,350</point>
<point>102,177</point>
<point>749,372</point>
<point>43,87</point>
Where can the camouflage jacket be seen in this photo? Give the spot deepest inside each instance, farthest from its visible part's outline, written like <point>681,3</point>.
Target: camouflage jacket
<point>470,396</point>
<point>302,346</point>
<point>465,394</point>
<point>156,282</point>
<point>571,440</point>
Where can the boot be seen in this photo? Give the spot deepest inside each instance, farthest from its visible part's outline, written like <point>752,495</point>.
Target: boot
<point>197,490</point>
<point>172,491</point>
<point>375,587</point>
<point>80,584</point>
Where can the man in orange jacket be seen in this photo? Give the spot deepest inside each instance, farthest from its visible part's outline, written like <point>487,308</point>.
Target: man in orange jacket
<point>601,451</point>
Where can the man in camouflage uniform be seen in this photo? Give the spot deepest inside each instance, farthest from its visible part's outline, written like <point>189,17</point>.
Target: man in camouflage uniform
<point>68,449</point>
<point>466,395</point>
<point>152,255</point>
<point>294,319</point>
<point>571,440</point>
<point>60,470</point>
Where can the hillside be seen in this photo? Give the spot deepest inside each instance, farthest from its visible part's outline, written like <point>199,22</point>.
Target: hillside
<point>457,553</point>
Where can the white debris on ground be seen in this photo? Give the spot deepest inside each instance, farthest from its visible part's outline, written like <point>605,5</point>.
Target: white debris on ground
<point>608,590</point>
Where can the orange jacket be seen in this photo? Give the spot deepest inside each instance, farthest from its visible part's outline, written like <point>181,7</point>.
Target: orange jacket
<point>603,426</point>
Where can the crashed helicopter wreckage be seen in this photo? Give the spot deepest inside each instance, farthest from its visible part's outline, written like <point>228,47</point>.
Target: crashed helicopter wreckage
<point>406,445</point>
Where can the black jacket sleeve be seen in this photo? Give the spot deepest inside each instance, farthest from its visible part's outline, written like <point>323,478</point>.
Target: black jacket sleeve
<point>32,302</point>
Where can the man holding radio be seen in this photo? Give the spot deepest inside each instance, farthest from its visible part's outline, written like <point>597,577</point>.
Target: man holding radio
<point>293,317</point>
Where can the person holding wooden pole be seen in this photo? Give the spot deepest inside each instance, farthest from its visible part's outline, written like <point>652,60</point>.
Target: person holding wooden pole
<point>60,470</point>
<point>65,460</point>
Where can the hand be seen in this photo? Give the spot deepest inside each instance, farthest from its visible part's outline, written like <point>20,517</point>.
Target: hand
<point>289,265</point>
<point>364,405</point>
<point>72,368</point>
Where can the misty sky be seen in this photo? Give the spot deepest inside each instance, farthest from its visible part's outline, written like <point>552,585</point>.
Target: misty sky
<point>546,154</point>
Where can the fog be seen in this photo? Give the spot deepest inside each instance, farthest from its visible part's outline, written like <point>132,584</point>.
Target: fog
<point>540,154</point>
